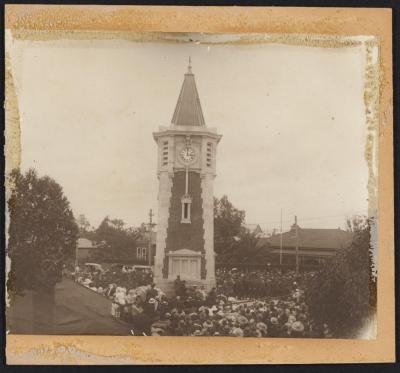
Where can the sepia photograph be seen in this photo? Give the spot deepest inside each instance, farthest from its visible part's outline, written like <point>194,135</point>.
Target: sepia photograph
<point>192,185</point>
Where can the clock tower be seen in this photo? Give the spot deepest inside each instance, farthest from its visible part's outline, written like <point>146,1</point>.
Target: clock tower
<point>186,170</point>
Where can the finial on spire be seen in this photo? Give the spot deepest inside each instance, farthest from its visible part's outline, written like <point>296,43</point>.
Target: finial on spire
<point>190,65</point>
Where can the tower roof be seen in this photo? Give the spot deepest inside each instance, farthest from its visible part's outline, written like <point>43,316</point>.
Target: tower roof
<point>188,109</point>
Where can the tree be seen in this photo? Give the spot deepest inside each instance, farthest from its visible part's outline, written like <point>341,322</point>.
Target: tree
<point>83,224</point>
<point>116,241</point>
<point>356,223</point>
<point>228,221</point>
<point>42,232</point>
<point>246,249</point>
<point>343,293</point>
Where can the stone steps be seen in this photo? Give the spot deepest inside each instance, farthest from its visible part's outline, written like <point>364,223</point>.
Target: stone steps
<point>169,289</point>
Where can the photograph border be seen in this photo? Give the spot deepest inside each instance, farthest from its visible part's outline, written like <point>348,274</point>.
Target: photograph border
<point>25,20</point>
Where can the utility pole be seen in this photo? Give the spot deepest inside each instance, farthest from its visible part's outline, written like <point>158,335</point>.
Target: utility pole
<point>280,250</point>
<point>297,246</point>
<point>150,231</point>
<point>76,261</point>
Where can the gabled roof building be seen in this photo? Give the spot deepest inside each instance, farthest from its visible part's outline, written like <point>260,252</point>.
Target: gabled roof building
<point>315,245</point>
<point>254,229</point>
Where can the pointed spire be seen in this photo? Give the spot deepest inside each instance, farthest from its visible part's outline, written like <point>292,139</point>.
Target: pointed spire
<point>188,109</point>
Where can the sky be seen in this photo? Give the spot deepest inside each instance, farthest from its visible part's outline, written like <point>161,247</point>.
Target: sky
<point>292,120</point>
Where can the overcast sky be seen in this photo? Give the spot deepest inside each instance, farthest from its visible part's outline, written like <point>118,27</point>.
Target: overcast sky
<point>292,120</point>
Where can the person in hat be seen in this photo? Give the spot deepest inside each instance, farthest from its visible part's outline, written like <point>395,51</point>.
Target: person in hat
<point>208,324</point>
<point>180,313</point>
<point>197,325</point>
<point>243,321</point>
<point>150,309</point>
<point>114,309</point>
<point>237,332</point>
<point>119,300</point>
<point>157,331</point>
<point>110,290</point>
<point>130,297</point>
<point>273,328</point>
<point>201,293</point>
<point>212,310</point>
<point>152,292</point>
<point>177,302</point>
<point>136,306</point>
<point>164,323</point>
<point>180,329</point>
<point>163,305</point>
<point>262,327</point>
<point>297,329</point>
<point>151,302</point>
<point>302,317</point>
<point>193,316</point>
<point>141,292</point>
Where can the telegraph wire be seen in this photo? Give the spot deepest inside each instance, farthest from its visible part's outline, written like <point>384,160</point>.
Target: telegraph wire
<point>307,219</point>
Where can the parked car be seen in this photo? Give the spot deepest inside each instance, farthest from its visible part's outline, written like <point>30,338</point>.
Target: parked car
<point>94,267</point>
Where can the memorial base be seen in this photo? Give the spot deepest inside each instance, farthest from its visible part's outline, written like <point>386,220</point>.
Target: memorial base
<point>187,265</point>
<point>167,286</point>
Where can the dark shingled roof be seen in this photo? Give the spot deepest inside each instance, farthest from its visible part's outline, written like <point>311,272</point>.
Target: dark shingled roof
<point>84,243</point>
<point>313,238</point>
<point>188,109</point>
<point>144,237</point>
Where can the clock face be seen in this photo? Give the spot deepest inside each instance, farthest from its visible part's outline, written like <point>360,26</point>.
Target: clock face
<point>187,154</point>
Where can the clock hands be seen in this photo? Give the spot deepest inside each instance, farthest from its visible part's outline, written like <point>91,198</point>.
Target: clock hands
<point>187,154</point>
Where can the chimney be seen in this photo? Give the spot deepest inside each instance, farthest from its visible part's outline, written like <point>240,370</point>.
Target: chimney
<point>293,227</point>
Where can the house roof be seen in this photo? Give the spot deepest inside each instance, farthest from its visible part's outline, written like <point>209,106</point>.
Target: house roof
<point>312,238</point>
<point>84,243</point>
<point>144,237</point>
<point>188,110</point>
<point>253,227</point>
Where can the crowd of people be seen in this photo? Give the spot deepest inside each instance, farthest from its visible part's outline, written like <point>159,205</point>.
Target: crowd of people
<point>106,281</point>
<point>242,305</point>
<point>259,283</point>
<point>245,303</point>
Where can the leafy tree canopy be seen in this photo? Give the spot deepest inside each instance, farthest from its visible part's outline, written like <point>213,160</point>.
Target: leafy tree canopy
<point>343,293</point>
<point>245,249</point>
<point>228,224</point>
<point>116,240</point>
<point>42,231</point>
<point>233,243</point>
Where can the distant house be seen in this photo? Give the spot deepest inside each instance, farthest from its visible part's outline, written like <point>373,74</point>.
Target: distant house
<point>315,245</point>
<point>141,248</point>
<point>136,253</point>
<point>254,229</point>
<point>86,250</point>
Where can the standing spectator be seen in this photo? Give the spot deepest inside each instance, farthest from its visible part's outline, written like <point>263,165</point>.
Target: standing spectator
<point>183,288</point>
<point>211,297</point>
<point>178,286</point>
